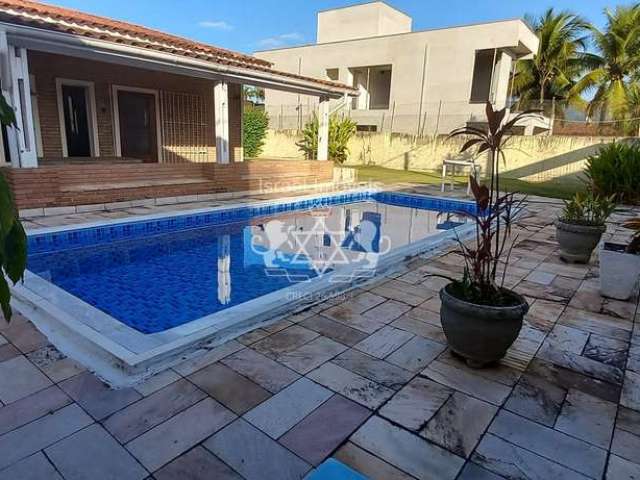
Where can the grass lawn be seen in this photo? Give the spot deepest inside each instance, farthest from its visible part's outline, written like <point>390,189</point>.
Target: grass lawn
<point>552,188</point>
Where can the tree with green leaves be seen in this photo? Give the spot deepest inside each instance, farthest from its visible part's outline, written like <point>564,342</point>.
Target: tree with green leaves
<point>13,240</point>
<point>560,60</point>
<point>614,68</point>
<point>255,123</point>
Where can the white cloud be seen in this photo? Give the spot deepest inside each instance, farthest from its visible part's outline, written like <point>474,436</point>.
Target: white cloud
<point>217,24</point>
<point>280,40</point>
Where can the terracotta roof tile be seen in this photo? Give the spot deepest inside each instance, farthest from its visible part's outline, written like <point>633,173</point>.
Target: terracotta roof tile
<point>65,20</point>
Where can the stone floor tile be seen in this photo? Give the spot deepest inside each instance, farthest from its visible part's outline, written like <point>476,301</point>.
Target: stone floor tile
<point>24,336</point>
<point>556,446</point>
<point>54,364</point>
<point>158,381</point>
<point>237,393</point>
<point>498,372</point>
<point>253,336</point>
<point>543,278</point>
<point>583,365</point>
<point>467,382</point>
<point>366,301</point>
<point>471,471</point>
<point>626,445</point>
<point>35,467</point>
<point>633,359</point>
<point>596,323</point>
<point>196,464</point>
<point>459,424</point>
<point>346,315</point>
<point>93,453</point>
<point>166,441</point>
<point>630,397</point>
<point>19,378</point>
<point>607,350</point>
<point>286,408</point>
<point>353,386</point>
<point>384,342</point>
<point>201,360</point>
<point>543,314</point>
<point>416,354</point>
<point>96,397</point>
<point>334,330</point>
<point>566,339</point>
<point>406,451</point>
<point>31,408</point>
<point>513,462</point>
<point>621,469</point>
<point>254,455</point>
<point>152,410</point>
<point>284,341</point>
<point>311,355</point>
<point>8,352</point>
<point>267,373</point>
<point>315,437</point>
<point>568,379</point>
<point>628,420</point>
<point>277,326</point>
<point>373,368</point>
<point>421,328</point>
<point>536,399</point>
<point>387,312</point>
<point>41,433</point>
<point>588,418</point>
<point>367,464</point>
<point>416,403</point>
<point>401,292</point>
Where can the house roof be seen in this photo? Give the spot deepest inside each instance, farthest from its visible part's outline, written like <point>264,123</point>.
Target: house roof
<point>74,22</point>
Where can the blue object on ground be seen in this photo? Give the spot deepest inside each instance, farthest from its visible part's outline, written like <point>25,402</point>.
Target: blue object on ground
<point>332,469</point>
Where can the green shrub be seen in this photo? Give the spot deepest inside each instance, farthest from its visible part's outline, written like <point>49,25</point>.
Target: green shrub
<point>254,131</point>
<point>615,170</point>
<point>341,129</point>
<point>587,208</point>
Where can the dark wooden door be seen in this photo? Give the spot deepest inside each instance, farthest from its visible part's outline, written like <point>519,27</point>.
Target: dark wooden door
<point>137,116</point>
<point>76,121</point>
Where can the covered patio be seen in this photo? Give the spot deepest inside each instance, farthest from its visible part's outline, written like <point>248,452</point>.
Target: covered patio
<point>138,113</point>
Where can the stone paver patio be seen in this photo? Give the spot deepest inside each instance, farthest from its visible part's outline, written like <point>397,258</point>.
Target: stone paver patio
<point>365,377</point>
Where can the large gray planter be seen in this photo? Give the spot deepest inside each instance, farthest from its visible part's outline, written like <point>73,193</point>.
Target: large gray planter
<point>481,334</point>
<point>577,242</point>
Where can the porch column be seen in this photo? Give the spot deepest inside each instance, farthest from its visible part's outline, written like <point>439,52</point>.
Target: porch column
<point>16,89</point>
<point>221,104</point>
<point>323,129</point>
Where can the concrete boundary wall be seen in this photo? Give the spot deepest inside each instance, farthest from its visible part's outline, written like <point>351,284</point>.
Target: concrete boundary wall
<point>532,158</point>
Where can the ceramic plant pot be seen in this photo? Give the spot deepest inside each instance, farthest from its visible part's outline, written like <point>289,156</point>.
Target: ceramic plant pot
<point>577,242</point>
<point>481,334</point>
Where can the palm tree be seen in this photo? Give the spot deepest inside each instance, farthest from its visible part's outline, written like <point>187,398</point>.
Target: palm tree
<point>614,70</point>
<point>560,59</point>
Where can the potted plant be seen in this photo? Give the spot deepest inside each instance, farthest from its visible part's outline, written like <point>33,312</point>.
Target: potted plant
<point>581,225</point>
<point>480,317</point>
<point>620,265</point>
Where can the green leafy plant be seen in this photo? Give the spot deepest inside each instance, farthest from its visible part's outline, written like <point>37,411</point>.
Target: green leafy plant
<point>254,131</point>
<point>341,129</point>
<point>615,170</point>
<point>587,208</point>
<point>494,216</point>
<point>13,240</point>
<point>634,244</point>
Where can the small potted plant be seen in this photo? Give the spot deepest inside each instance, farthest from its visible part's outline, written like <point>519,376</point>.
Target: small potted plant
<point>581,225</point>
<point>480,317</point>
<point>620,265</point>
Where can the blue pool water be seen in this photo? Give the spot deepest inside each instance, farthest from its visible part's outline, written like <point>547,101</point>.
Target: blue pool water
<point>157,274</point>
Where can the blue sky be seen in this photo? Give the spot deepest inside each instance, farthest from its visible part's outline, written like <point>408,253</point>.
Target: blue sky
<point>249,25</point>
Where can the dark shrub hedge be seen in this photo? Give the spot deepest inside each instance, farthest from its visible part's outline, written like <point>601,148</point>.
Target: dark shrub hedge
<point>255,124</point>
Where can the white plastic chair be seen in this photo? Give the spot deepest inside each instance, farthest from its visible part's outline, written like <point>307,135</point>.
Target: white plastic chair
<point>451,165</point>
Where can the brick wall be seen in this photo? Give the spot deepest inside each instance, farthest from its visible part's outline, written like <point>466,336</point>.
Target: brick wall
<point>47,67</point>
<point>83,184</point>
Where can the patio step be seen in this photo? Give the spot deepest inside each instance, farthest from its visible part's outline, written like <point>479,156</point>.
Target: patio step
<point>91,187</point>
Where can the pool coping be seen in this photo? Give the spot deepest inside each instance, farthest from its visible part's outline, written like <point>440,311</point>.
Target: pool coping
<point>123,356</point>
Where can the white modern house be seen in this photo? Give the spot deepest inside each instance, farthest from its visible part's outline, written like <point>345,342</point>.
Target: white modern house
<point>409,81</point>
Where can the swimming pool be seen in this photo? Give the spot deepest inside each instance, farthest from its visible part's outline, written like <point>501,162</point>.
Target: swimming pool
<point>152,281</point>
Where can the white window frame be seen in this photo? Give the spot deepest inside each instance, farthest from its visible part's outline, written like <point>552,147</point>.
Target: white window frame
<point>91,114</point>
<point>115,89</point>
